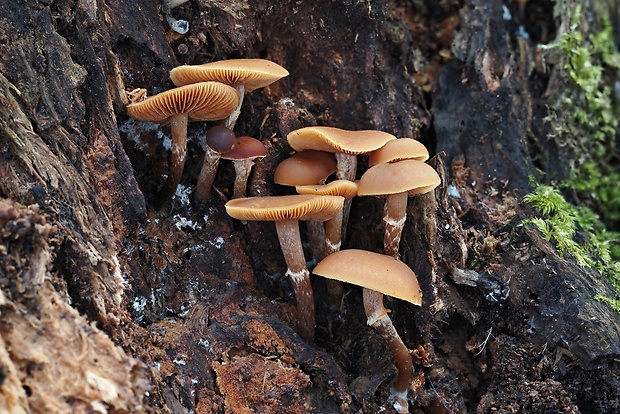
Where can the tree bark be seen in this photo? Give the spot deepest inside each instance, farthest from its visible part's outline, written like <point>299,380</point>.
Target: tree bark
<point>108,304</point>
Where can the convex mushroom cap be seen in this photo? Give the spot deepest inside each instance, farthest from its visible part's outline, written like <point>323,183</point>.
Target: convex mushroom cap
<point>399,150</point>
<point>396,181</point>
<point>332,139</point>
<point>410,176</point>
<point>246,150</point>
<point>251,73</point>
<point>373,271</point>
<point>204,101</point>
<point>306,167</point>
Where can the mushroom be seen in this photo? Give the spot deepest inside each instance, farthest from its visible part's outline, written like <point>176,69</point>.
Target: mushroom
<point>219,140</point>
<point>287,211</point>
<point>204,101</point>
<point>345,144</point>
<point>399,150</point>
<point>333,227</point>
<point>304,168</point>
<point>245,75</point>
<point>396,181</point>
<point>246,150</point>
<point>379,275</point>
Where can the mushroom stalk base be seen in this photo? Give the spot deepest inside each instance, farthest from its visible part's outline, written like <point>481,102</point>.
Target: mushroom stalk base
<point>378,319</point>
<point>178,126</point>
<point>395,215</point>
<point>292,249</point>
<point>242,173</point>
<point>207,174</point>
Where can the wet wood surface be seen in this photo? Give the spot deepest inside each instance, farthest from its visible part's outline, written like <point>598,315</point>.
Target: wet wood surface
<point>107,303</point>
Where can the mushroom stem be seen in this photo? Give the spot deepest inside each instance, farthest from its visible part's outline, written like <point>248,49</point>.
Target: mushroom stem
<point>292,249</point>
<point>316,236</point>
<point>379,319</point>
<point>178,125</point>
<point>346,165</point>
<point>395,215</point>
<point>207,174</point>
<point>232,118</point>
<point>333,238</point>
<point>242,173</point>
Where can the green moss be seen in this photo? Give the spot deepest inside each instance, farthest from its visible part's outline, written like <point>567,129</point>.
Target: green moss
<point>585,116</point>
<point>559,222</point>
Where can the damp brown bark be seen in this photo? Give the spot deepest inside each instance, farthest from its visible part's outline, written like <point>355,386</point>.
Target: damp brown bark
<point>194,307</point>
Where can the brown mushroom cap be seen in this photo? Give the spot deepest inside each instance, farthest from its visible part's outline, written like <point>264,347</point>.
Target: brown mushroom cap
<point>292,207</point>
<point>373,271</point>
<point>251,73</point>
<point>412,176</point>
<point>246,148</point>
<point>344,188</point>
<point>331,139</point>
<point>306,167</point>
<point>204,101</point>
<point>398,150</point>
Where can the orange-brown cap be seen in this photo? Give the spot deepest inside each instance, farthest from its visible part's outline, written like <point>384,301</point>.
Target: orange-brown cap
<point>204,101</point>
<point>398,150</point>
<point>291,207</point>
<point>305,167</point>
<point>251,73</point>
<point>344,188</point>
<point>246,148</point>
<point>373,271</point>
<point>337,140</point>
<point>412,176</point>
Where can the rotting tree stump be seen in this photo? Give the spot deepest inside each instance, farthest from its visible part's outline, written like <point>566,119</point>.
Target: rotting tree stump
<point>109,304</point>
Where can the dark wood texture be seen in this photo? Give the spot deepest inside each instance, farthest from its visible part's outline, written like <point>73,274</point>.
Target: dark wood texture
<point>107,303</point>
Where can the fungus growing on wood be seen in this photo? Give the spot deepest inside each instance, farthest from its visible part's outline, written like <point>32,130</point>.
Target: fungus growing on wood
<point>379,275</point>
<point>204,101</point>
<point>219,139</point>
<point>397,181</point>
<point>333,227</point>
<point>399,150</point>
<point>246,150</point>
<point>286,212</point>
<point>346,145</point>
<point>245,75</point>
<point>305,168</point>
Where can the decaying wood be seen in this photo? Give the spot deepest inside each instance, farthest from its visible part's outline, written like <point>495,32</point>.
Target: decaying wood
<point>110,305</point>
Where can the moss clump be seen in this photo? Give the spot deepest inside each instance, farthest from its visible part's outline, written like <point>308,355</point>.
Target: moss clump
<point>585,117</point>
<point>560,221</point>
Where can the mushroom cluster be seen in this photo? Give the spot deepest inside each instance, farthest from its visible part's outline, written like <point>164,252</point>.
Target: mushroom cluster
<point>208,92</point>
<point>323,171</point>
<point>397,170</point>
